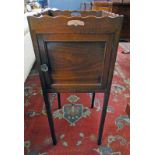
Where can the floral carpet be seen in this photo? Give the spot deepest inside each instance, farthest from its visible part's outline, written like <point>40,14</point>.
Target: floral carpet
<point>76,124</point>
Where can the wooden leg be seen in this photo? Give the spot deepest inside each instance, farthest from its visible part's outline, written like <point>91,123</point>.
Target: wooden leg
<point>93,99</point>
<point>59,101</point>
<point>128,110</point>
<point>50,117</point>
<point>103,116</point>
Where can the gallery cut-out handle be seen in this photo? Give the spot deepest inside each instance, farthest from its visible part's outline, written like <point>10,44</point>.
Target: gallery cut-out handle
<point>75,23</point>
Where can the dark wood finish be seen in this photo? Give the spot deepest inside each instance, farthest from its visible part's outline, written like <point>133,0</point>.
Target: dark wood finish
<point>49,116</point>
<point>59,101</point>
<point>99,5</point>
<point>75,53</point>
<point>119,7</point>
<point>93,99</point>
<point>103,116</point>
<point>123,9</point>
<point>127,110</point>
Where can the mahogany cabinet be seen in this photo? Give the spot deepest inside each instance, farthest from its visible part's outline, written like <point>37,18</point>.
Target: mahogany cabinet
<point>76,52</point>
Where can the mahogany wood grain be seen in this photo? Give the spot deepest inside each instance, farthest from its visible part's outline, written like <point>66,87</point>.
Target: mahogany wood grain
<point>102,5</point>
<point>76,52</point>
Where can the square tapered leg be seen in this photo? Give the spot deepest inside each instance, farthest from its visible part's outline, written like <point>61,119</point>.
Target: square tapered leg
<point>50,117</point>
<point>93,99</point>
<point>103,116</point>
<point>59,101</point>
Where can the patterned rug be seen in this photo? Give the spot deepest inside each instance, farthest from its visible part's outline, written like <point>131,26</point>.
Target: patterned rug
<point>76,124</point>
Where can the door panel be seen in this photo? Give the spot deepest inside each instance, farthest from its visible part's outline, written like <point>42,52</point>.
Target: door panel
<point>76,62</point>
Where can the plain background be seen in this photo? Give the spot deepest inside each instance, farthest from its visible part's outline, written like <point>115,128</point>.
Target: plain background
<point>142,77</point>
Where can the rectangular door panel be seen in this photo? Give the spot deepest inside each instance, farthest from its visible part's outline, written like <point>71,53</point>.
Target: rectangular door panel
<point>76,62</point>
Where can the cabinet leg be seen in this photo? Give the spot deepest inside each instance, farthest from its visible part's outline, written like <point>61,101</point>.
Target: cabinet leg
<point>103,116</point>
<point>93,99</point>
<point>59,101</point>
<point>50,117</point>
